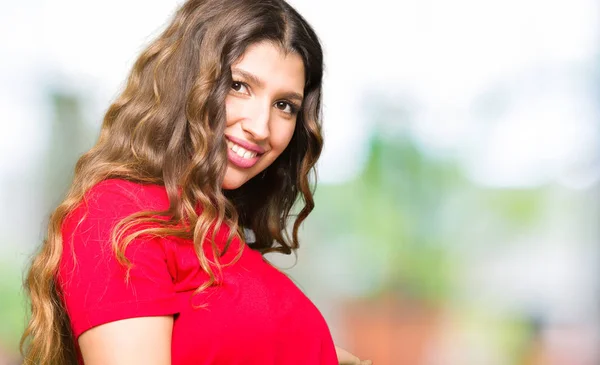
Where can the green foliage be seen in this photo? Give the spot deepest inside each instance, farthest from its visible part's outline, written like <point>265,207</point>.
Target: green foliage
<point>392,206</point>
<point>13,313</point>
<point>519,207</point>
<point>70,137</point>
<point>412,212</point>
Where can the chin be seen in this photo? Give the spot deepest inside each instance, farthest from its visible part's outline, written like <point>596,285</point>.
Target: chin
<point>231,185</point>
<point>233,179</point>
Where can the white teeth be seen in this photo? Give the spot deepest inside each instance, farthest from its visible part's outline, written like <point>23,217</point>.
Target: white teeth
<point>240,151</point>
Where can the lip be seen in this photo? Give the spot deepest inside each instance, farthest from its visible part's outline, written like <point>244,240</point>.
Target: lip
<point>244,163</point>
<point>247,145</point>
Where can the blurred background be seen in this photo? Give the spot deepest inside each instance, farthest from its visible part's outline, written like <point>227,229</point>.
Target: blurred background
<point>457,215</point>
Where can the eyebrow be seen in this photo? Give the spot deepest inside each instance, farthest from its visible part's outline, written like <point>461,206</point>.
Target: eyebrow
<point>260,83</point>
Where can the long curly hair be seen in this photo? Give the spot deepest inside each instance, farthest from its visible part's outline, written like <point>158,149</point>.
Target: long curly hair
<point>167,128</point>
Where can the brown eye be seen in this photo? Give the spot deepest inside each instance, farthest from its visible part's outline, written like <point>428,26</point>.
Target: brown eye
<point>238,87</point>
<point>286,107</point>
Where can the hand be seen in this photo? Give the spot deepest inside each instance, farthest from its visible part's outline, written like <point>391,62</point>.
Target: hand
<point>346,358</point>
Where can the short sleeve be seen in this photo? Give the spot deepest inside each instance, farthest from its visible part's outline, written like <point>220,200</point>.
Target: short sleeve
<point>92,281</point>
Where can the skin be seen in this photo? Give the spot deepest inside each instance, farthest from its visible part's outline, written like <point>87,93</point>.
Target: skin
<point>260,107</point>
<point>261,110</point>
<point>346,358</point>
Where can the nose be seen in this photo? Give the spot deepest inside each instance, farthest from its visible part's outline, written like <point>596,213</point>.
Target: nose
<point>256,122</point>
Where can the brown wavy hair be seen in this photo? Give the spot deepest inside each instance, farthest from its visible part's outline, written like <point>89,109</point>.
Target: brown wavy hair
<point>167,128</point>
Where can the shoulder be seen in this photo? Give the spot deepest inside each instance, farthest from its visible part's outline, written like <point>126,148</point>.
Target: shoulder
<point>88,231</point>
<point>109,201</point>
<point>97,288</point>
<point>115,192</point>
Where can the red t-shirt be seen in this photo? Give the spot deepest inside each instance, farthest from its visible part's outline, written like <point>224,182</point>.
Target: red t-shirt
<point>256,316</point>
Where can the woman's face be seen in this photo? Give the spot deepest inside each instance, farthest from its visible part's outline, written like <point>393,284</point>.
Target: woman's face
<point>262,106</point>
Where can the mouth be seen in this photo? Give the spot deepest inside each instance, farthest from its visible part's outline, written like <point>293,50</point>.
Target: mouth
<point>241,156</point>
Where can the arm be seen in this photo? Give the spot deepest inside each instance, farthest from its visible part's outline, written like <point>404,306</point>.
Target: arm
<point>133,341</point>
<point>111,317</point>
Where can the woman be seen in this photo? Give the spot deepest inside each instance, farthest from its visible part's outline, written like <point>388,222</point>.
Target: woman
<point>145,262</point>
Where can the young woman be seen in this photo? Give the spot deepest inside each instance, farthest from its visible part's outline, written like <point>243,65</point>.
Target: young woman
<point>147,260</point>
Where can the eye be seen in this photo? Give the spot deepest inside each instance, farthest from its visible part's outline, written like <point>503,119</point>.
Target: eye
<point>239,87</point>
<point>286,107</point>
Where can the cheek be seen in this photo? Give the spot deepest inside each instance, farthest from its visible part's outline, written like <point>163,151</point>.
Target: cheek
<point>282,135</point>
<point>232,109</point>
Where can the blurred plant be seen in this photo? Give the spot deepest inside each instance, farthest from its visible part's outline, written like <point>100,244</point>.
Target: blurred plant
<point>70,137</point>
<point>410,215</point>
<point>394,209</point>
<point>12,313</point>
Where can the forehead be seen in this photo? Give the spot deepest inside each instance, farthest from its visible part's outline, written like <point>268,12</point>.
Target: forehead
<point>273,65</point>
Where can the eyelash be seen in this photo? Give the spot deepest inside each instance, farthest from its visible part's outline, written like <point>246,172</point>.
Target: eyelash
<point>293,107</point>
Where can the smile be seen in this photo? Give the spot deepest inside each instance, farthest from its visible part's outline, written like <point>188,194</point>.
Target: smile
<point>240,151</point>
<point>242,157</point>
